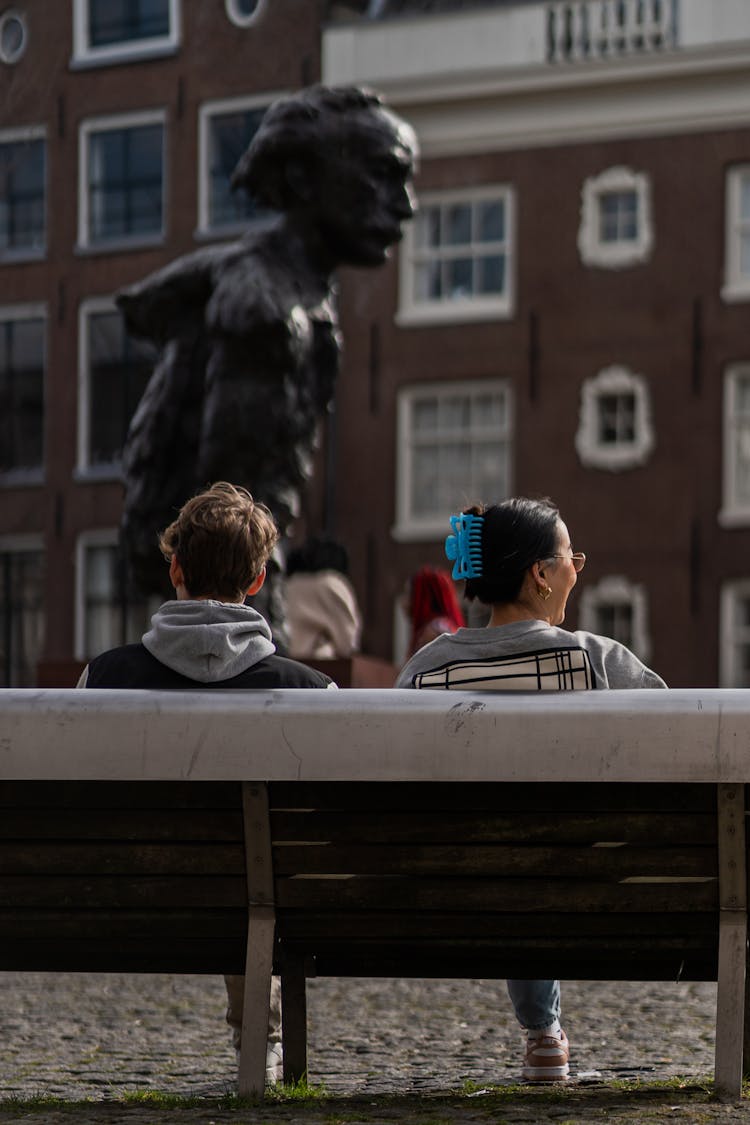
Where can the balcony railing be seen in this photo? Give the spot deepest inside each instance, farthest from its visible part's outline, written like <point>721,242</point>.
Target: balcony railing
<point>578,30</point>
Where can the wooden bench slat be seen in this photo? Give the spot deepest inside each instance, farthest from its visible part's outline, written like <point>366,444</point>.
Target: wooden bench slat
<point>44,858</point>
<point>532,895</point>
<point>311,926</point>
<point>512,862</point>
<point>121,824</point>
<point>402,827</point>
<point>538,797</point>
<point>73,892</point>
<point>121,794</point>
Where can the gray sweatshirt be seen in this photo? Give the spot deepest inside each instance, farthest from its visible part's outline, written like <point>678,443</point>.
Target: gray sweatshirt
<point>525,656</point>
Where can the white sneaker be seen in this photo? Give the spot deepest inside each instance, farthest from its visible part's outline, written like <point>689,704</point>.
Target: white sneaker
<point>274,1063</point>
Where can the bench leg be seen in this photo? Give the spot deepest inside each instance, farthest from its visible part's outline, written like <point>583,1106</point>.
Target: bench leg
<point>258,970</point>
<point>730,1000</point>
<point>294,1018</point>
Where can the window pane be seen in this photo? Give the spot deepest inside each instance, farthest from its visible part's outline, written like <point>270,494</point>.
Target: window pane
<point>123,21</point>
<point>458,224</point>
<point>455,412</point>
<point>108,621</point>
<point>745,254</point>
<point>745,198</point>
<point>125,182</point>
<point>230,134</point>
<point>616,414</point>
<point>428,281</point>
<point>491,222</point>
<point>460,272</point>
<point>21,616</point>
<point>618,216</point>
<point>22,223</point>
<point>425,497</point>
<point>492,274</point>
<point>21,394</point>
<point>425,415</point>
<point>119,370</point>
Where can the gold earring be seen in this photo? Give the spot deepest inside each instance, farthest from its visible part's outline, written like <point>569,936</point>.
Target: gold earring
<point>544,592</point>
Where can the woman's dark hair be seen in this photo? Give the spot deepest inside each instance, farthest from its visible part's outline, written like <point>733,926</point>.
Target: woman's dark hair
<point>318,554</point>
<point>515,535</point>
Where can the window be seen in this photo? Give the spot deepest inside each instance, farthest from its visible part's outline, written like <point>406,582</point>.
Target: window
<point>616,229</point>
<point>734,635</point>
<point>245,12</point>
<point>454,444</point>
<point>737,235</point>
<point>226,129</point>
<point>112,31</point>
<point>457,257</point>
<point>22,365</point>
<point>113,372</point>
<point>735,508</point>
<point>617,608</point>
<point>122,180</point>
<point>105,615</point>
<point>13,37</point>
<point>21,609</point>
<point>22,193</point>
<point>615,430</point>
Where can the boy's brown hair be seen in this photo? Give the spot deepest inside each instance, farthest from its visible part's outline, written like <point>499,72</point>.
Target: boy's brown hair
<point>221,539</point>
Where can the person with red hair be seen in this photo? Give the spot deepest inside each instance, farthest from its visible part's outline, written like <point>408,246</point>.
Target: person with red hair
<point>432,607</point>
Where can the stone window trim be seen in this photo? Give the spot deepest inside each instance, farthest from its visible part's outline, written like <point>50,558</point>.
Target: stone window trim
<point>736,285</point>
<point>86,55</point>
<point>731,633</point>
<point>28,477</point>
<point>623,253</point>
<point>13,26</point>
<point>241,19</point>
<point>113,122</point>
<point>206,113</point>
<point>22,135</point>
<point>617,590</point>
<point>735,509</point>
<point>616,456</point>
<point>468,309</point>
<point>411,528</point>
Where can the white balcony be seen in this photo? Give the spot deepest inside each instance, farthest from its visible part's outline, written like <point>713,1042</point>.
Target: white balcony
<point>525,73</point>
<point>513,36</point>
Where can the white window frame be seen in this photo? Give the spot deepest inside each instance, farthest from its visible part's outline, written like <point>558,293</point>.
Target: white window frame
<point>408,528</point>
<point>734,511</point>
<point>14,136</point>
<point>14,478</point>
<point>736,284</point>
<point>729,634</point>
<point>616,589</point>
<point>128,51</point>
<point>245,21</point>
<point>615,255</point>
<point>206,113</point>
<point>591,452</point>
<point>447,310</point>
<point>106,124</point>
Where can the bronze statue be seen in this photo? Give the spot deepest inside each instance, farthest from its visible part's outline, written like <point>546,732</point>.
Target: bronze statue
<point>248,334</point>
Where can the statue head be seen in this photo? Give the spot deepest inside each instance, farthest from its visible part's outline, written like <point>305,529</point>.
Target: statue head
<point>337,157</point>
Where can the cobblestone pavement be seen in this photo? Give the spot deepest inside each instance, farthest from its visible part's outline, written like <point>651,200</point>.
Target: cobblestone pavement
<point>108,1038</point>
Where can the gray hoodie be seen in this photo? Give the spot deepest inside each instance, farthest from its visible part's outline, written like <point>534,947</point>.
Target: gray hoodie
<point>208,640</point>
<point>526,655</point>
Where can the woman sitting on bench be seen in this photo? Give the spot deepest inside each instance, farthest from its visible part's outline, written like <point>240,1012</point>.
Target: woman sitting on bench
<point>516,558</point>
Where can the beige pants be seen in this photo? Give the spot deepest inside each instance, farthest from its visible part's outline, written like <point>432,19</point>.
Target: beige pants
<point>235,997</point>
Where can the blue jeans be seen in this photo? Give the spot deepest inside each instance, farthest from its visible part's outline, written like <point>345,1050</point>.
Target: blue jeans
<point>535,1002</point>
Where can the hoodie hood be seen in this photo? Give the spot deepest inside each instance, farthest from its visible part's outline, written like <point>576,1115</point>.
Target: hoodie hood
<point>208,641</point>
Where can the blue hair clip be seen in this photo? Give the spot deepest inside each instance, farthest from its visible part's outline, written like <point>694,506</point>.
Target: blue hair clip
<point>465,546</point>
